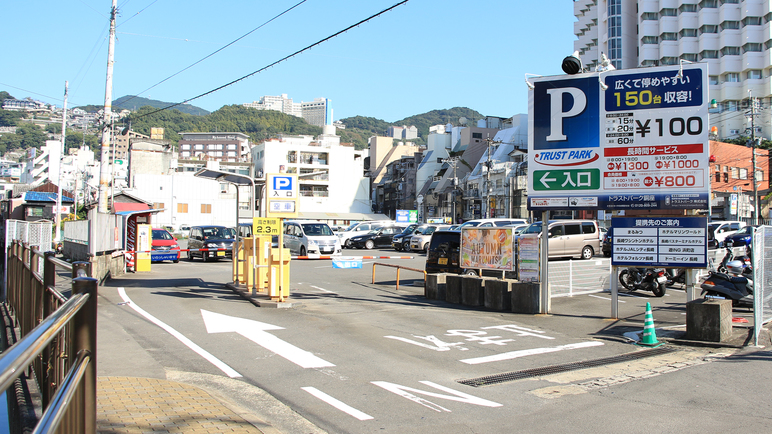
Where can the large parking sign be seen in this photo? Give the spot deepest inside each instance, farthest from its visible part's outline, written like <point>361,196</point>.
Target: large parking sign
<point>642,143</point>
<point>282,191</point>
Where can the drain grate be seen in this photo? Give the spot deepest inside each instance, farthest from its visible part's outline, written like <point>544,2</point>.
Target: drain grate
<point>556,369</point>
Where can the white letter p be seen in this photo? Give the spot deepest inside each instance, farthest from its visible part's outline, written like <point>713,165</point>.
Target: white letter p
<point>556,110</point>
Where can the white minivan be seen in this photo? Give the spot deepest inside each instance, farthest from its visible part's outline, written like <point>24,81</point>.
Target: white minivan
<point>307,237</point>
<point>360,228</point>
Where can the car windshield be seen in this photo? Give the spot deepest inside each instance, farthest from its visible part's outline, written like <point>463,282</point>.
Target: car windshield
<point>216,233</point>
<point>409,230</point>
<point>744,231</point>
<point>469,225</point>
<point>316,229</point>
<point>713,226</point>
<point>160,234</point>
<point>533,228</point>
<point>351,228</point>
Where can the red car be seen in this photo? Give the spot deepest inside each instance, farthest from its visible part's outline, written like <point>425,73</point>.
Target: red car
<point>165,247</point>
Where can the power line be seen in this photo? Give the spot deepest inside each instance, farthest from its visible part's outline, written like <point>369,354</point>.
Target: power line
<point>216,51</point>
<point>278,61</point>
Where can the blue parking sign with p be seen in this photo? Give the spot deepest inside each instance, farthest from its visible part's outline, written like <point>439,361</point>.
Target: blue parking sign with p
<point>282,183</point>
<point>566,113</point>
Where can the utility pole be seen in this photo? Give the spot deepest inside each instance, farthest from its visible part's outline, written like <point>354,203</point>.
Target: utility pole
<point>752,102</point>
<point>454,183</point>
<point>58,236</point>
<point>104,171</point>
<point>488,189</point>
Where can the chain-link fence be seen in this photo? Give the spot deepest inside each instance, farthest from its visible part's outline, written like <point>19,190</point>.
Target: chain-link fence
<point>762,278</point>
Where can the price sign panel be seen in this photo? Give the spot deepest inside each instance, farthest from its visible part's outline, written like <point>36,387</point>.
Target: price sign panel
<point>642,143</point>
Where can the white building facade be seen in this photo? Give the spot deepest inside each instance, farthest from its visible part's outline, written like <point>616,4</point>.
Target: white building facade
<point>733,36</point>
<point>331,176</point>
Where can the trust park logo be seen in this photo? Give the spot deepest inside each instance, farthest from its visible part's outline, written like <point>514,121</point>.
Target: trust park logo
<point>567,158</point>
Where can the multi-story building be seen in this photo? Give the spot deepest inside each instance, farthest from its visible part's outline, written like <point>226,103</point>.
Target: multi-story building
<point>279,103</point>
<point>731,170</point>
<point>398,185</point>
<point>332,183</point>
<point>317,112</point>
<point>732,36</point>
<point>214,146</point>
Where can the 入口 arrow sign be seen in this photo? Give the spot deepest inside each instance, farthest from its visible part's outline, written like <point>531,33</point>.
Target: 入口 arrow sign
<point>544,180</point>
<point>255,331</point>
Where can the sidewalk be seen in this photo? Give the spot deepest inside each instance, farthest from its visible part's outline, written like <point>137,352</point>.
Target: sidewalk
<point>148,405</point>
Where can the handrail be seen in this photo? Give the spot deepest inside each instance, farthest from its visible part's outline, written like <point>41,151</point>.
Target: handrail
<point>57,338</point>
<point>19,355</point>
<point>398,267</point>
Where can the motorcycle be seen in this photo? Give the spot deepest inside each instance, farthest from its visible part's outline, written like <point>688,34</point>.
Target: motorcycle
<point>646,279</point>
<point>729,256</point>
<point>676,275</point>
<point>729,286</point>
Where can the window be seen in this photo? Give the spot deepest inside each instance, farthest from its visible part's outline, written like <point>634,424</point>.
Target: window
<point>753,74</point>
<point>573,229</point>
<point>730,51</point>
<point>649,16</point>
<point>206,208</point>
<point>215,147</point>
<point>477,135</point>
<point>751,21</point>
<point>708,4</point>
<point>588,228</point>
<point>743,173</point>
<point>687,8</point>
<point>668,12</point>
<point>668,61</point>
<point>689,56</point>
<point>735,173</point>
<point>709,28</point>
<point>650,40</point>
<point>710,54</point>
<point>669,36</point>
<point>158,205</point>
<point>759,175</point>
<point>718,177</point>
<point>730,25</point>
<point>726,177</point>
<point>688,33</point>
<point>731,77</point>
<point>713,79</point>
<point>182,208</point>
<point>751,46</point>
<point>723,2</point>
<point>223,187</point>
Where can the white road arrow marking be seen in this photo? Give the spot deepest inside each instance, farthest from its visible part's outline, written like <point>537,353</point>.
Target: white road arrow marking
<point>255,331</point>
<point>544,180</point>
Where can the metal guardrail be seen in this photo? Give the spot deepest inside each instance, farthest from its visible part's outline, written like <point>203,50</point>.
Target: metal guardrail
<point>398,267</point>
<point>57,338</point>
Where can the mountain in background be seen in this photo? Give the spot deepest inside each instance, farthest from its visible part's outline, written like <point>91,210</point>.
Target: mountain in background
<point>360,128</point>
<point>134,103</point>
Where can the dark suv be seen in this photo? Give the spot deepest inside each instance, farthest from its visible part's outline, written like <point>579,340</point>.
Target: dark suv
<point>215,238</point>
<point>442,256</point>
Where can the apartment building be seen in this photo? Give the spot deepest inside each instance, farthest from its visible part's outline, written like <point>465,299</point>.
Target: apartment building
<point>733,36</point>
<point>214,146</point>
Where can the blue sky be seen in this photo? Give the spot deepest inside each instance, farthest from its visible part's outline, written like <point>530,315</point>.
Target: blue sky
<point>421,56</point>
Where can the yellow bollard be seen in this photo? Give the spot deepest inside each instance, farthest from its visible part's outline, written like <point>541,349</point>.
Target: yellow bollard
<point>280,274</point>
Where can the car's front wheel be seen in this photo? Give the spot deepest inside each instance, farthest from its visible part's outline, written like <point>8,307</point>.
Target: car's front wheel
<point>369,244</point>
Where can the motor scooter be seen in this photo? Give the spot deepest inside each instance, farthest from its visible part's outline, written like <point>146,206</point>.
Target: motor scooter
<point>647,279</point>
<point>730,286</point>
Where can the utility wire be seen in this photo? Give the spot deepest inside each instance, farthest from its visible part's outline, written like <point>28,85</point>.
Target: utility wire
<point>141,10</point>
<point>215,52</point>
<point>278,61</point>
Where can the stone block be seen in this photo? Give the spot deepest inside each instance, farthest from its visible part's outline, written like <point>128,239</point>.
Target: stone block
<point>453,288</point>
<point>498,295</point>
<point>435,286</point>
<point>709,320</point>
<point>525,297</point>
<point>473,291</point>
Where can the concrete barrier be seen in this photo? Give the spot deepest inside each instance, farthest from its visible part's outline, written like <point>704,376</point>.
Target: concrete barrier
<point>525,297</point>
<point>453,288</point>
<point>709,320</point>
<point>435,288</point>
<point>498,295</point>
<point>473,291</point>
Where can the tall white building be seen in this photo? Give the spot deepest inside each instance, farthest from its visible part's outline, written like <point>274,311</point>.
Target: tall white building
<point>279,103</point>
<point>733,36</point>
<point>314,112</point>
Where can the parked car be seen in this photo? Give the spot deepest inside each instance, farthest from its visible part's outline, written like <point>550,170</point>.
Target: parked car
<point>422,235</point>
<point>379,237</point>
<point>607,241</point>
<point>487,223</point>
<point>443,253</point>
<point>401,241</point>
<point>516,228</point>
<point>360,228</point>
<point>211,237</point>
<point>743,237</point>
<point>306,237</point>
<point>722,229</point>
<point>164,246</point>
<point>569,238</point>
<point>184,231</point>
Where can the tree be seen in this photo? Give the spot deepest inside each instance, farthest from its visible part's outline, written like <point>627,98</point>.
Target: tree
<point>8,118</point>
<point>4,96</point>
<point>54,128</point>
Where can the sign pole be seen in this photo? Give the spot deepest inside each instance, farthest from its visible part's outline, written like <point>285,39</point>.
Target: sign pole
<point>544,305</point>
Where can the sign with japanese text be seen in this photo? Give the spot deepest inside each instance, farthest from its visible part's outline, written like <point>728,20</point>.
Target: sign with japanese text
<point>680,242</point>
<point>642,143</point>
<point>282,195</point>
<point>489,248</point>
<point>407,216</point>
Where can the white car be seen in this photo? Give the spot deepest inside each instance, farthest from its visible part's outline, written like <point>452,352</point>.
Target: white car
<point>722,229</point>
<point>306,237</point>
<point>184,231</point>
<point>488,223</point>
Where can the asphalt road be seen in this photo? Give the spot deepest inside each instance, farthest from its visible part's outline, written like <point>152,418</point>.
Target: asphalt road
<point>356,357</point>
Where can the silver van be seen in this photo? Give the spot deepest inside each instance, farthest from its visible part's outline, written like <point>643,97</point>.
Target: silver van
<point>305,237</point>
<point>569,238</point>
